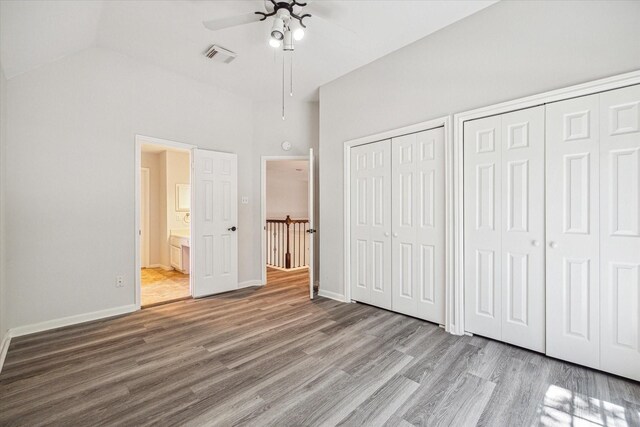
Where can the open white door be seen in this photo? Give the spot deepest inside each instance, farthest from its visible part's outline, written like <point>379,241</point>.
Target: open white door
<point>215,213</point>
<point>312,229</point>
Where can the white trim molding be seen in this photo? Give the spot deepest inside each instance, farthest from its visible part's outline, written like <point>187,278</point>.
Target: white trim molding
<point>332,295</point>
<point>4,348</point>
<point>445,122</point>
<point>249,283</point>
<point>71,320</point>
<point>456,178</point>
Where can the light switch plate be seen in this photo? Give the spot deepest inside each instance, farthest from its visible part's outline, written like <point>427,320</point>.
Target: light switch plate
<point>245,200</point>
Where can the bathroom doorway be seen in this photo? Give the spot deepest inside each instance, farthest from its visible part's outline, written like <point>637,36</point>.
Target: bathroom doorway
<point>163,205</point>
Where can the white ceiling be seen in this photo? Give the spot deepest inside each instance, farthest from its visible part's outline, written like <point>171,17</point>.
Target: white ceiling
<point>153,148</point>
<point>297,170</point>
<point>170,34</point>
<point>34,33</point>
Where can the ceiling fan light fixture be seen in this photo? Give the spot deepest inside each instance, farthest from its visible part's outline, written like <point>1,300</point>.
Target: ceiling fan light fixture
<point>288,41</point>
<point>274,43</point>
<point>277,30</point>
<point>298,34</point>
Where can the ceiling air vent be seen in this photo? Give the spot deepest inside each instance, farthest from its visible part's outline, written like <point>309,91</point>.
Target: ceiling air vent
<point>220,54</point>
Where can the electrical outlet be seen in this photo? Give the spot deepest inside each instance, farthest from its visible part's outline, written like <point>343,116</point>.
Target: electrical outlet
<point>245,200</point>
<point>119,282</point>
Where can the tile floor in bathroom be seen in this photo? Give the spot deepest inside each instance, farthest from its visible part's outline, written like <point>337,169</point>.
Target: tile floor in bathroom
<point>159,286</point>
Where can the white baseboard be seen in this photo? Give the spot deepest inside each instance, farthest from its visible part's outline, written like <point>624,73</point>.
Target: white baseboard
<point>71,320</point>
<point>332,295</point>
<point>164,267</point>
<point>4,348</point>
<point>249,283</point>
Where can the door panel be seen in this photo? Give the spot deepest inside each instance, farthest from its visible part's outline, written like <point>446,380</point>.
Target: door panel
<point>482,225</point>
<point>371,223</point>
<point>572,230</point>
<point>418,224</point>
<point>215,244</point>
<point>522,230</point>
<point>620,231</point>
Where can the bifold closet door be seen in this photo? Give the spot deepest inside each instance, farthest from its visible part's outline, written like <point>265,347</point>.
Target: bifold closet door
<point>504,227</point>
<point>370,212</point>
<point>620,232</point>
<point>418,224</point>
<point>572,230</point>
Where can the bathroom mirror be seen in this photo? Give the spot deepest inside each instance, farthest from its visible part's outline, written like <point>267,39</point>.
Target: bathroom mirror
<point>183,197</point>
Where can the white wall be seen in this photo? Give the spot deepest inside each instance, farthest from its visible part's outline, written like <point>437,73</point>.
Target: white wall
<point>70,175</point>
<point>507,51</point>
<point>157,203</point>
<point>287,193</point>
<point>178,172</point>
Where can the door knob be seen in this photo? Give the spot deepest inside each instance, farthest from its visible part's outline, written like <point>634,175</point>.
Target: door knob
<point>386,234</point>
<point>553,245</point>
<point>395,234</point>
<point>232,228</point>
<point>535,243</point>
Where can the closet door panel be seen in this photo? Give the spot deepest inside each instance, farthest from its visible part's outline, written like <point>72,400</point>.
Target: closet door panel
<point>405,215</point>
<point>620,231</point>
<point>482,224</point>
<point>522,277</point>
<point>371,223</point>
<point>430,225</point>
<point>418,224</point>
<point>572,230</point>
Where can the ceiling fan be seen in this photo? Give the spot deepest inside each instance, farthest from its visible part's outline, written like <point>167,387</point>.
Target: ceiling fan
<point>288,25</point>
<point>288,21</point>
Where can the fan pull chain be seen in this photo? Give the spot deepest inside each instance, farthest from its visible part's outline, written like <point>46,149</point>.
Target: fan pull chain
<point>291,76</point>
<point>283,88</point>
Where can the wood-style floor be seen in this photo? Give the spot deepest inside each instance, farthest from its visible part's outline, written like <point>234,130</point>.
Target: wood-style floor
<point>159,285</point>
<point>269,356</point>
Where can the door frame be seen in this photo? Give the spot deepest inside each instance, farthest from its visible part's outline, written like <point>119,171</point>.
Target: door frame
<point>263,209</point>
<point>139,140</point>
<point>445,122</point>
<point>455,175</point>
<point>145,242</point>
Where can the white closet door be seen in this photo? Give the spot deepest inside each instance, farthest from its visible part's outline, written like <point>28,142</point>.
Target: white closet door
<point>482,222</point>
<point>572,231</point>
<point>370,213</point>
<point>620,231</point>
<point>418,224</point>
<point>522,229</point>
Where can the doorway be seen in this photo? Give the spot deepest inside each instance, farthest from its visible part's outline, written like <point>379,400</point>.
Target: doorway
<point>287,219</point>
<point>164,222</point>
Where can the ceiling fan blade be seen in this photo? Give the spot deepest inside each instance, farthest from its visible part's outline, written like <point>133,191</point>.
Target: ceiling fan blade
<point>325,9</point>
<point>232,21</point>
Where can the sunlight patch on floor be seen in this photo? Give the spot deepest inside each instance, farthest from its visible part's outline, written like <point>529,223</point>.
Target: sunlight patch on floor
<point>564,407</point>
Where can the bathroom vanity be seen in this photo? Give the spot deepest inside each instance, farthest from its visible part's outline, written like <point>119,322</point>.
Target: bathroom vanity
<point>180,245</point>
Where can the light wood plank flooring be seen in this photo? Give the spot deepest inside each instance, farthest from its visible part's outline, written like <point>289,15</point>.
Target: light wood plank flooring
<point>269,356</point>
<point>159,285</point>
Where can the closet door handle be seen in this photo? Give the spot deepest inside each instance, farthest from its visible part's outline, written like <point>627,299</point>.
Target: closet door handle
<point>553,245</point>
<point>386,234</point>
<point>395,234</point>
<point>535,243</point>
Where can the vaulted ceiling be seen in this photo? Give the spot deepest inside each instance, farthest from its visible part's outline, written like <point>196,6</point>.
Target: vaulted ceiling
<point>170,34</point>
